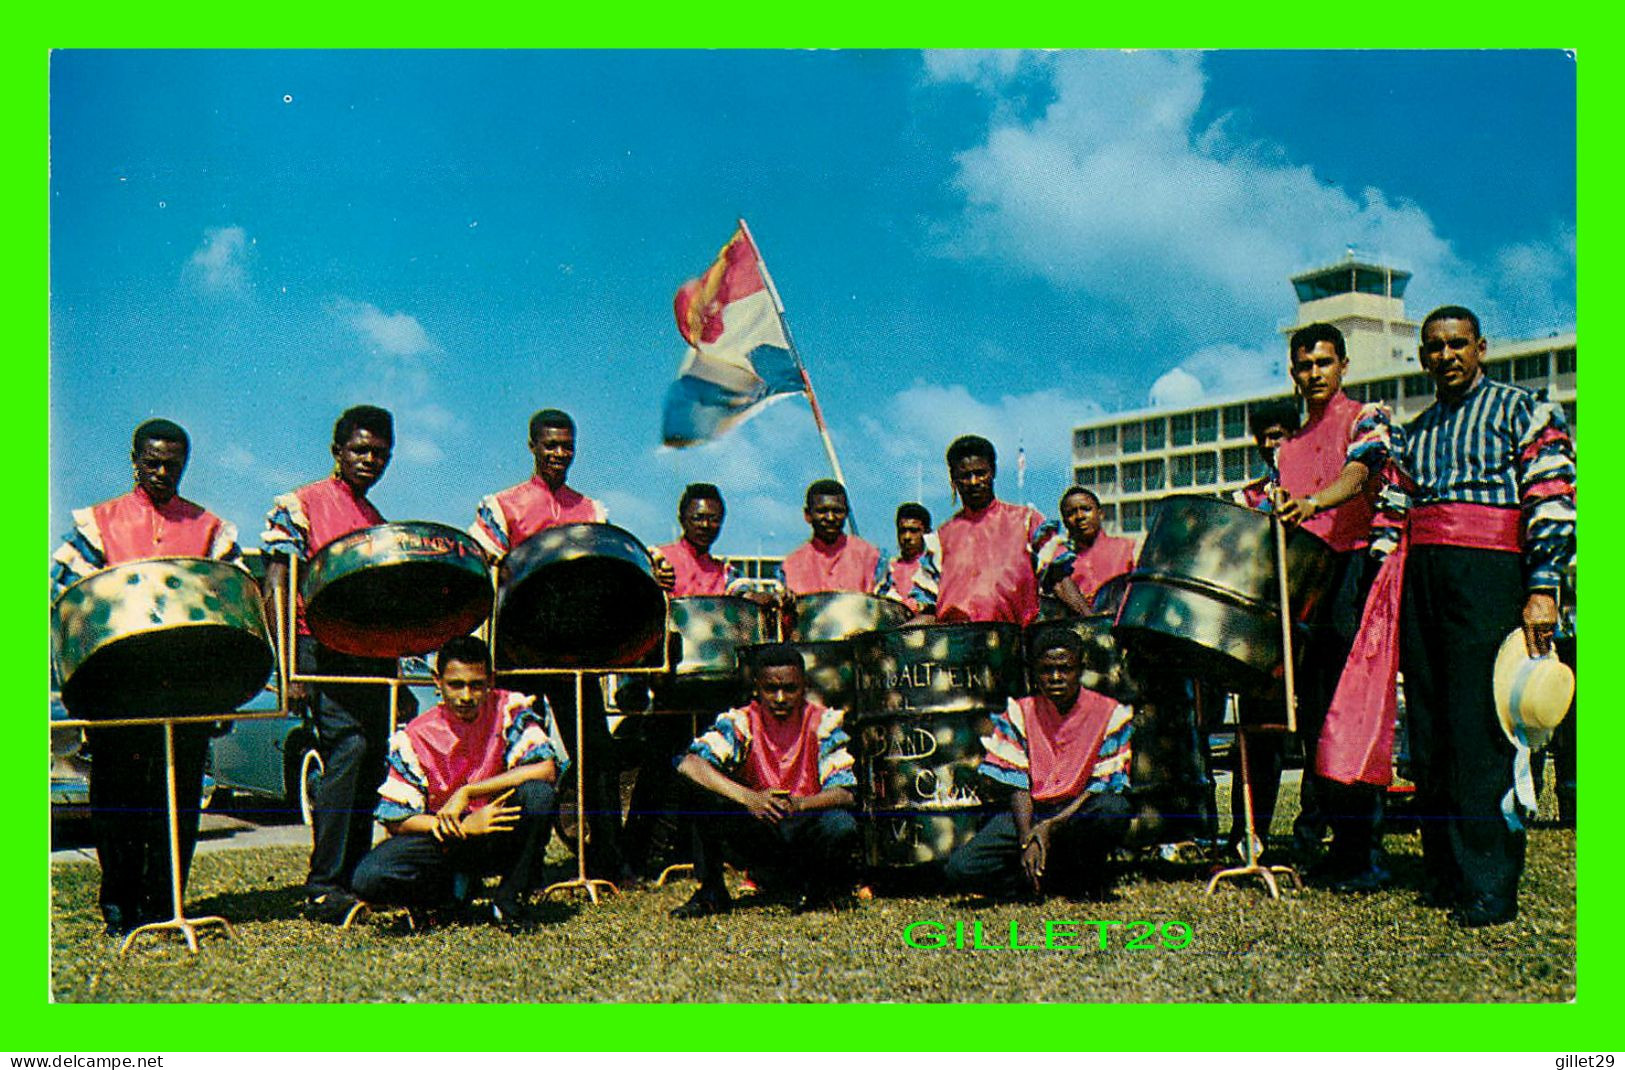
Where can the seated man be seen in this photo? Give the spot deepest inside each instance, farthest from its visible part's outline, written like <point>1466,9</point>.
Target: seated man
<point>469,793</point>
<point>1065,752</point>
<point>912,576</point>
<point>831,560</point>
<point>775,780</point>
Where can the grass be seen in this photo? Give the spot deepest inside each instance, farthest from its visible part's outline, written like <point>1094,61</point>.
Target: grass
<point>1310,946</point>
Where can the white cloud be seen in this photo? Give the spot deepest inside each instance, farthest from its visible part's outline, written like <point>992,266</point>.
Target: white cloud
<point>401,363</point>
<point>220,264</point>
<point>1175,389</point>
<point>393,333</point>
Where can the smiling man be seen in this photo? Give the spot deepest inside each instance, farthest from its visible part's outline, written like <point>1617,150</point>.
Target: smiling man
<point>1074,566</point>
<point>128,794</point>
<point>831,560</point>
<point>1064,753</point>
<point>352,720</point>
<point>469,793</point>
<point>989,547</point>
<point>774,789</point>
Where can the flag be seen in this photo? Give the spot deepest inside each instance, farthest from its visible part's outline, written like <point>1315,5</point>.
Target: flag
<point>739,359</point>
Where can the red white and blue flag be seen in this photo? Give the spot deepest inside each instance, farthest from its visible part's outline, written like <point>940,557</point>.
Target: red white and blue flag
<point>739,358</point>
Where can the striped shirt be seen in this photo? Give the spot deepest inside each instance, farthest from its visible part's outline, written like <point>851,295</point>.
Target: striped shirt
<point>1008,757</point>
<point>914,583</point>
<point>1498,445</point>
<point>507,518</point>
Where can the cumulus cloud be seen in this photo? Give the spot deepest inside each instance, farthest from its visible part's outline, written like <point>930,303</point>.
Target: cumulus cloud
<point>1176,388</point>
<point>402,360</point>
<point>1113,188</point>
<point>220,264</point>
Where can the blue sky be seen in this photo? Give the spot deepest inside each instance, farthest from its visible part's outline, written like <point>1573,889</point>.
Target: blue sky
<point>999,243</point>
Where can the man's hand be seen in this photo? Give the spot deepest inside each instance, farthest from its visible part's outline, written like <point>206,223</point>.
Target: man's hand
<point>1298,510</point>
<point>493,817</point>
<point>1036,853</point>
<point>1539,623</point>
<point>665,574</point>
<point>448,819</point>
<point>767,807</point>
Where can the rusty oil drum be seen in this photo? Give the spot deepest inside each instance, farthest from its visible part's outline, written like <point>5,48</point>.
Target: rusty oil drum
<point>834,615</point>
<point>579,596</point>
<point>168,636</point>
<point>926,695</point>
<point>1203,596</point>
<point>393,590</point>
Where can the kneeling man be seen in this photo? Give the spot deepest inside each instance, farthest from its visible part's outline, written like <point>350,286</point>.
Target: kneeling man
<point>776,780</point>
<point>469,793</point>
<point>1065,752</point>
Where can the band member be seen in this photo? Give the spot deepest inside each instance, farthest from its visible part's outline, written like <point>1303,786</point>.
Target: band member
<point>352,720</point>
<point>1328,470</point>
<point>503,521</point>
<point>988,547</point>
<point>773,781</point>
<point>685,567</point>
<point>129,803</point>
<point>470,792</point>
<point>1271,422</point>
<point>913,576</point>
<point>1065,754</point>
<point>831,560</point>
<point>1491,531</point>
<point>1074,566</point>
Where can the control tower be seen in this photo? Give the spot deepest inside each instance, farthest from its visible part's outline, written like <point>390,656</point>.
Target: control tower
<point>1366,302</point>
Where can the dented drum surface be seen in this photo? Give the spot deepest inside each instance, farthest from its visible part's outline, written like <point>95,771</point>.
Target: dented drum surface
<point>392,590</point>
<point>939,668</point>
<point>579,596</point>
<point>833,615</point>
<point>1203,595</point>
<point>172,636</point>
<point>917,781</point>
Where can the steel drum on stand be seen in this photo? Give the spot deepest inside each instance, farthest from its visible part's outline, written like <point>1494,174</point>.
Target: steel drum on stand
<point>170,636</point>
<point>709,632</point>
<point>579,596</point>
<point>926,695</point>
<point>834,615</point>
<point>393,590</point>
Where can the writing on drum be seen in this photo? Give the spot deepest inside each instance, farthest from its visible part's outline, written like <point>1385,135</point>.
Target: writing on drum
<point>935,676</point>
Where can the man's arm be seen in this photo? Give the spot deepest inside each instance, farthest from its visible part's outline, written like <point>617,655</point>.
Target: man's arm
<point>828,799</point>
<point>760,804</point>
<point>450,816</point>
<point>1349,482</point>
<point>1546,482</point>
<point>1067,591</point>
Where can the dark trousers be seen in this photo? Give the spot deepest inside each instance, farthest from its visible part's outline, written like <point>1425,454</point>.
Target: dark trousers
<point>812,851</point>
<point>990,864</point>
<point>657,825</point>
<point>414,869</point>
<point>129,810</point>
<point>602,805</point>
<point>1352,811</point>
<point>1459,606</point>
<point>352,735</point>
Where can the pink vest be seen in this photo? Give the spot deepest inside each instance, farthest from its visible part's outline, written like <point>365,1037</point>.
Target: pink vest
<point>902,580</point>
<point>783,754</point>
<point>133,528</point>
<point>697,573</point>
<point>453,754</point>
<point>987,570</point>
<point>534,506</point>
<point>333,509</point>
<point>1314,457</point>
<point>1107,556</point>
<point>1061,751</point>
<point>849,565</point>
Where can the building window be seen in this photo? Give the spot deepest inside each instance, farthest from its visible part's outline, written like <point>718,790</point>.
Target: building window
<point>1104,477</point>
<point>1499,370</point>
<point>1106,436</point>
<point>1258,469</point>
<point>1131,476</point>
<point>1131,516</point>
<point>1082,439</point>
<point>1355,391</point>
<point>1418,386</point>
<point>1566,363</point>
<point>1154,433</point>
<point>1130,437</point>
<point>1235,463</point>
<point>1383,390</point>
<point>1182,470</point>
<point>1153,474</point>
<point>1572,415</point>
<point>1179,429</point>
<point>1531,367</point>
<point>1235,421</point>
<point>1207,468</point>
<point>1080,475</point>
<point>1207,425</point>
<point>1108,514</point>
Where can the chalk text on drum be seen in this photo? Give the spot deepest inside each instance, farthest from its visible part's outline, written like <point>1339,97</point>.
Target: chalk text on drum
<point>1059,934</point>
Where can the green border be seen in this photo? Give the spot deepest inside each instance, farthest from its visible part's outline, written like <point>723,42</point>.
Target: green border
<point>35,1024</point>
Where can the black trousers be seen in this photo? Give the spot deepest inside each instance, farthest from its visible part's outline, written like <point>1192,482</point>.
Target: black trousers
<point>129,810</point>
<point>658,824</point>
<point>990,864</point>
<point>602,806</point>
<point>414,869</point>
<point>1352,811</point>
<point>812,851</point>
<point>1459,606</point>
<point>352,736</point>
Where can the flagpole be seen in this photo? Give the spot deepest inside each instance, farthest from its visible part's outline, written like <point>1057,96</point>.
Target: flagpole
<point>806,380</point>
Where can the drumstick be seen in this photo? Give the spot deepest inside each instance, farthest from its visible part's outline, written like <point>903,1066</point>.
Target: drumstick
<point>1286,611</point>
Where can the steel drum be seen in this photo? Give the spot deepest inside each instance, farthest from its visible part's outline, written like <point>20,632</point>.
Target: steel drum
<point>939,668</point>
<point>579,596</point>
<point>711,630</point>
<point>1105,664</point>
<point>170,636</point>
<point>831,673</point>
<point>833,615</point>
<point>1204,595</point>
<point>393,590</point>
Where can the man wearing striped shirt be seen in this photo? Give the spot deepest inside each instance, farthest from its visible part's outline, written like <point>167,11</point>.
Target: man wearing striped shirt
<point>1490,530</point>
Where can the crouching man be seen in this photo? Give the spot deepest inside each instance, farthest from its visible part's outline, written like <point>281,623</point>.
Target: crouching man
<point>469,794</point>
<point>774,781</point>
<point>1065,752</point>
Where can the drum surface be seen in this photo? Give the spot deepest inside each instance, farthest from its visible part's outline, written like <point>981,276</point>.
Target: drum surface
<point>831,674</point>
<point>580,596</point>
<point>175,636</point>
<point>832,615</point>
<point>1105,664</point>
<point>712,629</point>
<point>392,590</point>
<point>939,668</point>
<point>917,783</point>
<point>1203,596</point>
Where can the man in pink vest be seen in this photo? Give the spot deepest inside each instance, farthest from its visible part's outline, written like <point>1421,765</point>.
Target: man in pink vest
<point>128,781</point>
<point>913,576</point>
<point>1074,566</point>
<point>988,548</point>
<point>831,560</point>
<point>352,720</point>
